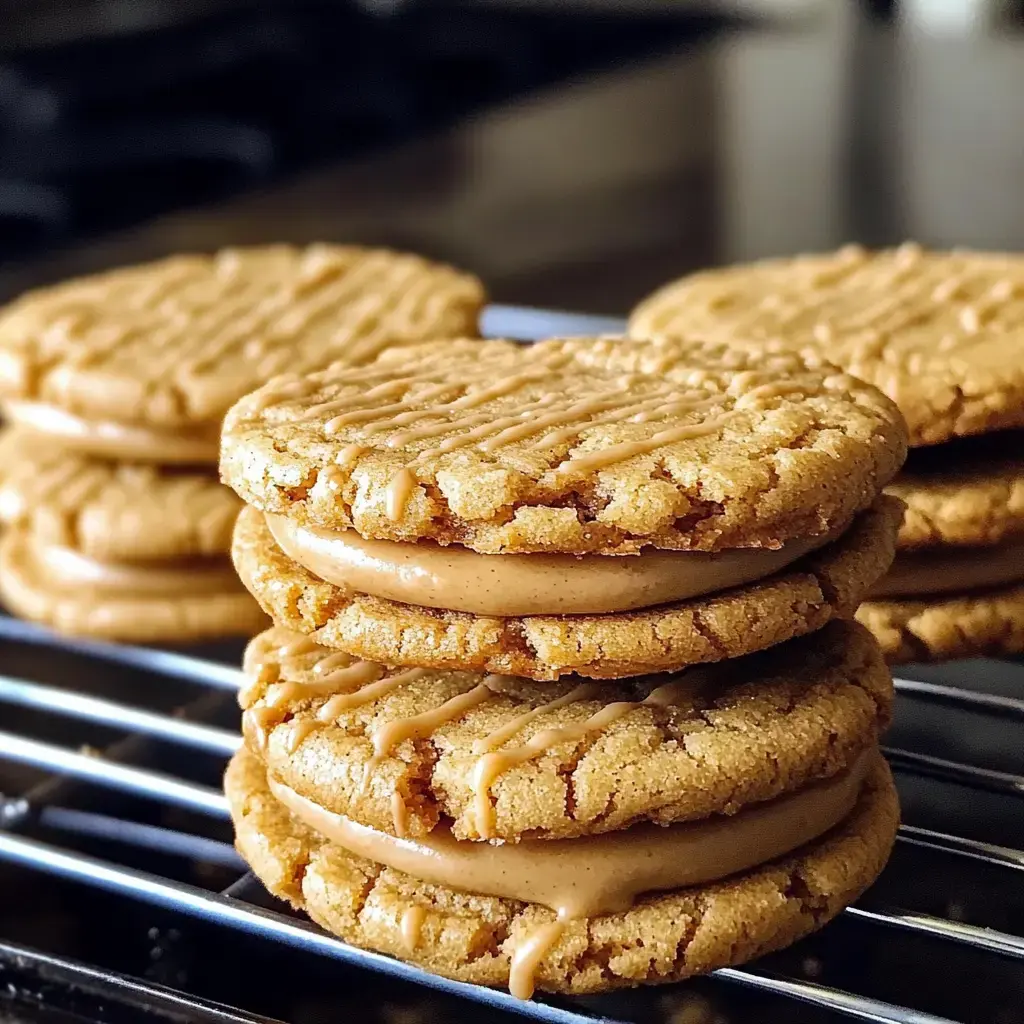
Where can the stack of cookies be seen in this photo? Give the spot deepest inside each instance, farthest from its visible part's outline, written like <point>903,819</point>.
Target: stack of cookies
<point>943,335</point>
<point>562,690</point>
<point>115,386</point>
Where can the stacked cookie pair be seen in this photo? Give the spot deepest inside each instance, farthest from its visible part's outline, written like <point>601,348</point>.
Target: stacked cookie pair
<point>115,387</point>
<point>943,335</point>
<point>562,690</point>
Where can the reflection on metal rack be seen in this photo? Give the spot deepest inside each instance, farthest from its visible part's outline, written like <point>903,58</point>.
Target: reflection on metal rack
<point>37,830</point>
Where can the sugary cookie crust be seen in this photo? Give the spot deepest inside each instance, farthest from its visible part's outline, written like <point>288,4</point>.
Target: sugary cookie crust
<point>827,584</point>
<point>571,445</point>
<point>130,618</point>
<point>175,342</point>
<point>111,511</point>
<point>751,730</point>
<point>979,624</point>
<point>960,494</point>
<point>663,938</point>
<point>941,333</point>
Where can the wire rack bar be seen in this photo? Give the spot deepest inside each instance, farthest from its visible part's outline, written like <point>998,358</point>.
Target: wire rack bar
<point>125,778</point>
<point>989,853</point>
<point>523,323</point>
<point>939,692</point>
<point>987,939</point>
<point>93,709</point>
<point>227,911</point>
<point>163,663</point>
<point>956,772</point>
<point>857,1007</point>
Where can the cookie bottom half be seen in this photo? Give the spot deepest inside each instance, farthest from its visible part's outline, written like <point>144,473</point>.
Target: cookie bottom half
<point>944,627</point>
<point>126,615</point>
<point>662,938</point>
<point>798,600</point>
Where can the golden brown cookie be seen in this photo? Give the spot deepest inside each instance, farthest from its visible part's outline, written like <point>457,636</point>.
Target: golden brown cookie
<point>571,445</point>
<point>172,344</point>
<point>942,627</point>
<point>941,333</point>
<point>404,748</point>
<point>663,937</point>
<point>800,599</point>
<point>139,603</point>
<point>111,511</point>
<point>967,493</point>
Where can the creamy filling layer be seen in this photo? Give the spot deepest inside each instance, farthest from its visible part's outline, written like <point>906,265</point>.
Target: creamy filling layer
<point>952,570</point>
<point>113,440</point>
<point>455,578</point>
<point>70,569</point>
<point>600,874</point>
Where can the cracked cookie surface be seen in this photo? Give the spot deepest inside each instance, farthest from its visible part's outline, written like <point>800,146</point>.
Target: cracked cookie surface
<point>570,445</point>
<point>941,333</point>
<point>664,937</point>
<point>964,493</point>
<point>827,584</point>
<point>173,343</point>
<point>735,734</point>
<point>111,511</point>
<point>981,623</point>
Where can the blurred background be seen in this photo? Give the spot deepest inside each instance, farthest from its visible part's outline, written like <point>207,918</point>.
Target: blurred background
<point>572,152</point>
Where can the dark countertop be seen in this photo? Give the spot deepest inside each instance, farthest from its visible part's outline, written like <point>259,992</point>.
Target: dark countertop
<point>587,195</point>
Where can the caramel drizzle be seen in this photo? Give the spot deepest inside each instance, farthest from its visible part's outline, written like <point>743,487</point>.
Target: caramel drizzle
<point>399,815</point>
<point>494,763</point>
<point>527,957</point>
<point>411,927</point>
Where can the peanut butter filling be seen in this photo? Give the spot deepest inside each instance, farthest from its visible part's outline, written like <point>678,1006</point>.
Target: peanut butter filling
<point>603,874</point>
<point>68,569</point>
<point>952,570</point>
<point>113,440</point>
<point>455,578</point>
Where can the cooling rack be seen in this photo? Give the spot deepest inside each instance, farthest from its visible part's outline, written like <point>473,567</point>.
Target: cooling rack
<point>108,750</point>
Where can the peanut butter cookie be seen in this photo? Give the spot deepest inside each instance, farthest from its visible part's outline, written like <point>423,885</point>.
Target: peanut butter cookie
<point>796,600</point>
<point>501,757</point>
<point>940,627</point>
<point>941,333</point>
<point>572,446</point>
<point>170,345</point>
<point>112,511</point>
<point>494,940</point>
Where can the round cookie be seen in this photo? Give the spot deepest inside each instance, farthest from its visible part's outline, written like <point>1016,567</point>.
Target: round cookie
<point>800,599</point>
<point>172,344</point>
<point>123,614</point>
<point>963,494</point>
<point>571,445</point>
<point>709,741</point>
<point>941,628</point>
<point>941,333</point>
<point>664,937</point>
<point>111,511</point>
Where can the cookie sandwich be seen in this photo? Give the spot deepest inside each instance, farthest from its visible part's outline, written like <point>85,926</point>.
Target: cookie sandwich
<point>114,387</point>
<point>568,836</point>
<point>586,506</point>
<point>942,333</point>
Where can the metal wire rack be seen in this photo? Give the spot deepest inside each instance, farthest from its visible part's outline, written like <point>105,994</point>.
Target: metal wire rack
<point>948,909</point>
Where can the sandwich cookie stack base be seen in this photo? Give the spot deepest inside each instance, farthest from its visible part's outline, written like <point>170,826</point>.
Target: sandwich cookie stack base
<point>115,386</point>
<point>562,691</point>
<point>942,333</point>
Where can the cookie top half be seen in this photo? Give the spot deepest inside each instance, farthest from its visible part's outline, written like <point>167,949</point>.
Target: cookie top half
<point>571,445</point>
<point>173,343</point>
<point>941,333</point>
<point>502,757</point>
<point>111,511</point>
